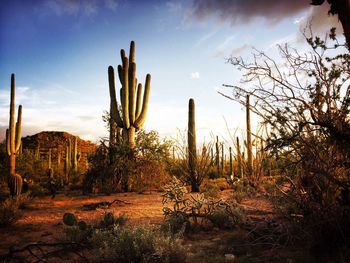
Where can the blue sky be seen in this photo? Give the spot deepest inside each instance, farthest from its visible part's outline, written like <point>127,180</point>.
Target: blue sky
<point>60,51</point>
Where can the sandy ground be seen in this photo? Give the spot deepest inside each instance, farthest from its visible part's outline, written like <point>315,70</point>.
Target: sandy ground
<point>42,218</point>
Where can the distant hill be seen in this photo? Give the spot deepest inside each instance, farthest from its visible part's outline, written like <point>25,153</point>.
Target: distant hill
<point>57,141</point>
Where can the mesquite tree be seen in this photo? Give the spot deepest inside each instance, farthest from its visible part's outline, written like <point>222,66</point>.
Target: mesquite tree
<point>305,101</point>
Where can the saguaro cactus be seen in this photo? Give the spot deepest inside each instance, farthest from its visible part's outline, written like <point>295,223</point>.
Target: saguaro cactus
<point>49,159</point>
<point>74,154</point>
<point>13,142</point>
<point>133,106</point>
<point>192,148</point>
<point>231,171</point>
<point>217,156</point>
<point>249,139</point>
<point>222,158</point>
<point>239,159</point>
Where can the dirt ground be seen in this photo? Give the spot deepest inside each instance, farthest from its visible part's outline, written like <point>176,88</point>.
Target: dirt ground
<point>42,218</point>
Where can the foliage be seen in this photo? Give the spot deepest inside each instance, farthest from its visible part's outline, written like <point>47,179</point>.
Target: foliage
<point>110,241</point>
<point>305,101</point>
<point>9,212</point>
<point>203,164</point>
<point>190,211</point>
<point>146,168</point>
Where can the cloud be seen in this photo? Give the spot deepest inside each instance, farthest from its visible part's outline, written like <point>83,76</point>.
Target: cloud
<point>195,75</point>
<point>319,19</point>
<point>240,50</point>
<point>174,6</point>
<point>111,4</point>
<point>205,38</point>
<point>273,11</point>
<point>237,11</point>
<point>222,47</point>
<point>75,7</point>
<point>45,110</point>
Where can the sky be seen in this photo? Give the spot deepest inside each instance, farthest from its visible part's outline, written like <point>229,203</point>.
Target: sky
<point>60,51</point>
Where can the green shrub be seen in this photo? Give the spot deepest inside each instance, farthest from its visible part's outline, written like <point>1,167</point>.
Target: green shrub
<point>9,212</point>
<point>136,244</point>
<point>188,212</point>
<point>110,241</point>
<point>37,190</point>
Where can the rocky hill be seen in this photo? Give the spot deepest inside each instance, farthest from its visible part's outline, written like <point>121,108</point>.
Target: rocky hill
<point>57,141</point>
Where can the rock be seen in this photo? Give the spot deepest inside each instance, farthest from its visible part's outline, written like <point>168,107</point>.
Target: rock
<point>57,141</point>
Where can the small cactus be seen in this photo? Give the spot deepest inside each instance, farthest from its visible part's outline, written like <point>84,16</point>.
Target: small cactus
<point>82,225</point>
<point>69,219</point>
<point>108,219</point>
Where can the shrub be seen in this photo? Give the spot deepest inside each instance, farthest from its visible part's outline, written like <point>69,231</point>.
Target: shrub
<point>110,241</point>
<point>136,244</point>
<point>9,212</point>
<point>191,211</point>
<point>118,167</point>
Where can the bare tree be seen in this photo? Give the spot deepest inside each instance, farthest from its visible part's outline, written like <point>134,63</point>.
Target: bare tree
<point>305,100</point>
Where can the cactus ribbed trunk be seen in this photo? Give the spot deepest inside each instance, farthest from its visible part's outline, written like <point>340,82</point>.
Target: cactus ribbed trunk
<point>133,100</point>
<point>74,155</point>
<point>249,139</point>
<point>49,159</point>
<point>131,137</point>
<point>231,171</point>
<point>134,106</point>
<point>217,156</point>
<point>239,160</point>
<point>192,148</point>
<point>13,142</point>
<point>222,159</point>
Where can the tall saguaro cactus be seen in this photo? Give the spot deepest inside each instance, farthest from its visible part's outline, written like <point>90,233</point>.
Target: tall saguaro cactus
<point>13,142</point>
<point>217,156</point>
<point>249,139</point>
<point>239,160</point>
<point>133,106</point>
<point>192,148</point>
<point>230,152</point>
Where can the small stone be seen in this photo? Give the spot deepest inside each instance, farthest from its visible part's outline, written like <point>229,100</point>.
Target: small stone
<point>230,257</point>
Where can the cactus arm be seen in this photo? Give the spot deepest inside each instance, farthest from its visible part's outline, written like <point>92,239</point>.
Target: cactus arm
<point>138,101</point>
<point>126,93</point>
<point>132,52</point>
<point>120,74</point>
<point>12,116</point>
<point>114,104</point>
<point>19,128</point>
<point>142,118</point>
<point>132,84</point>
<point>8,147</point>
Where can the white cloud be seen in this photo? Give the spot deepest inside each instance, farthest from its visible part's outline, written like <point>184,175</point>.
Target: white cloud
<point>195,75</point>
<point>111,4</point>
<point>44,110</point>
<point>174,6</point>
<point>205,38</point>
<point>222,48</point>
